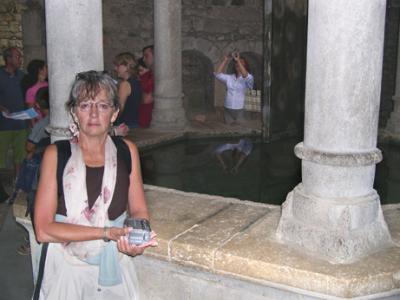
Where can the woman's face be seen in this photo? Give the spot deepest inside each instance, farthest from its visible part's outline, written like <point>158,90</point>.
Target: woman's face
<point>43,72</point>
<point>237,70</point>
<point>94,116</point>
<point>121,71</point>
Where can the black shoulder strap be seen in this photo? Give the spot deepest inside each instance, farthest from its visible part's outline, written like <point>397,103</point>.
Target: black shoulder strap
<point>63,154</point>
<point>39,279</point>
<point>123,151</point>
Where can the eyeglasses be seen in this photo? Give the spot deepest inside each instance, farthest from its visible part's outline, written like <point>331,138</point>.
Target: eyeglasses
<point>102,107</point>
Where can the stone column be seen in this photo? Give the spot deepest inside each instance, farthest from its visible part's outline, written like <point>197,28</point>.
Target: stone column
<point>393,125</point>
<point>74,44</point>
<point>168,106</point>
<point>335,213</point>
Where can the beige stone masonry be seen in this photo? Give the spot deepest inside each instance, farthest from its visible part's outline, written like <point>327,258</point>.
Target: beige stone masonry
<point>237,238</point>
<point>173,214</point>
<point>10,25</point>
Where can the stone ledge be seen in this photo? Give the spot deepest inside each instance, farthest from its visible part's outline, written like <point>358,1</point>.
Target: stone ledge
<point>237,239</point>
<point>223,244</point>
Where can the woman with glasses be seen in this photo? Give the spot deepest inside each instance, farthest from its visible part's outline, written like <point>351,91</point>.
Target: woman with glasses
<point>79,215</point>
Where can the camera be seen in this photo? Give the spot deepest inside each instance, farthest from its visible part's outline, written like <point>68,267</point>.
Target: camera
<point>141,231</point>
<point>234,52</point>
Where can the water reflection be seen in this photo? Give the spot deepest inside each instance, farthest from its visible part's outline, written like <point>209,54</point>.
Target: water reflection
<point>267,175</point>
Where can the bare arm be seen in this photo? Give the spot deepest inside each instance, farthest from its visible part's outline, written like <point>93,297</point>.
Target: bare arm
<point>30,149</point>
<point>241,159</point>
<point>124,90</point>
<point>222,65</point>
<point>222,162</point>
<point>46,228</point>
<point>242,69</point>
<point>147,98</point>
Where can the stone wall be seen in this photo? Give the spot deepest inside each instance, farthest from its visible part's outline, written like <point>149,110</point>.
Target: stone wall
<point>34,30</point>
<point>127,26</point>
<point>210,29</point>
<point>10,25</point>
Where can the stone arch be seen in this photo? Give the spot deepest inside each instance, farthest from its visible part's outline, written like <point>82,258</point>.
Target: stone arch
<point>198,82</point>
<point>255,67</point>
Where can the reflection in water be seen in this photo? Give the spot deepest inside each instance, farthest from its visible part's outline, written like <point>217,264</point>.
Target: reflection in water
<point>267,175</point>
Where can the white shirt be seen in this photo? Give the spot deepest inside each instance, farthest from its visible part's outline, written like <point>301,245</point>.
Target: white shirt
<point>235,89</point>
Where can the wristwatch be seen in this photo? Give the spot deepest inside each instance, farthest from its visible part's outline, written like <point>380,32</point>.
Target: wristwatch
<point>106,230</point>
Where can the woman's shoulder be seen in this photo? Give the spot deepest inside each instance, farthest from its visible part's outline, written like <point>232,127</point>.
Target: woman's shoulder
<point>50,153</point>
<point>125,83</point>
<point>38,85</point>
<point>129,143</point>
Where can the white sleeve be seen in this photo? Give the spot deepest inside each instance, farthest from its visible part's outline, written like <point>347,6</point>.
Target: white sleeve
<point>221,77</point>
<point>249,81</point>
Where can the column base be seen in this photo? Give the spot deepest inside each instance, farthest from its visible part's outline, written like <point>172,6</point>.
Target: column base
<point>338,230</point>
<point>168,113</point>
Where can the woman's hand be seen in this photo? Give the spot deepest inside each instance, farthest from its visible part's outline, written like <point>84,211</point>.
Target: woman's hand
<point>133,250</point>
<point>115,233</point>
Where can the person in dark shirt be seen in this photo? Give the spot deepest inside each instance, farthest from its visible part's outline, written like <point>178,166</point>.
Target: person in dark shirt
<point>129,90</point>
<point>13,133</point>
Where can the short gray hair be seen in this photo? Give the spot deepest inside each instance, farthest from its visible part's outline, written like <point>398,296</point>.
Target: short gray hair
<point>88,84</point>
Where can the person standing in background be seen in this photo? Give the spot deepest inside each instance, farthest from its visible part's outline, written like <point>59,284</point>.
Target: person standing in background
<point>236,86</point>
<point>13,133</point>
<point>32,82</point>
<point>146,74</point>
<point>129,91</point>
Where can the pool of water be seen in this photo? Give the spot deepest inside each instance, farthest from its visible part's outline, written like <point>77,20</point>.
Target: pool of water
<point>267,175</point>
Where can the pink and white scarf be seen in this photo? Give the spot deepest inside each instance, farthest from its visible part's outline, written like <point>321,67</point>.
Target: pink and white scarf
<point>76,198</point>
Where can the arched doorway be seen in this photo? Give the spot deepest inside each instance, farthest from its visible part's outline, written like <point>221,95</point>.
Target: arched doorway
<point>198,83</point>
